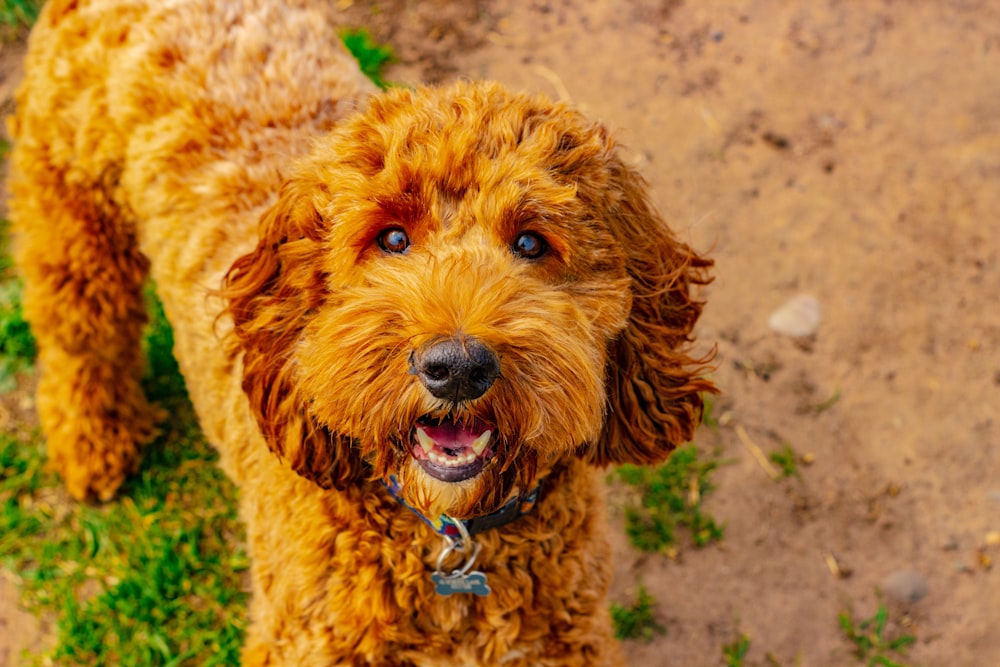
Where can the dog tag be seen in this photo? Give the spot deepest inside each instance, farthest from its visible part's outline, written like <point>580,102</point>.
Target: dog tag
<point>464,579</point>
<point>460,582</point>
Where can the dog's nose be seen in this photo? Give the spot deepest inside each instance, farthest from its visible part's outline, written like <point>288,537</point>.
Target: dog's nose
<point>457,370</point>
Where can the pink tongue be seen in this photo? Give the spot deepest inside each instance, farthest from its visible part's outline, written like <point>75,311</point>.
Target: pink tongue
<point>452,436</point>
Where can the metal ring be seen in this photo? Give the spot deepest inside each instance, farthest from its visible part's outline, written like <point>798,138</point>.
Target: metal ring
<point>464,544</point>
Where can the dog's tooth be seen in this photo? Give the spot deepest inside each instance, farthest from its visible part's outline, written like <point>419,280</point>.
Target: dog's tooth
<point>426,441</point>
<point>480,443</point>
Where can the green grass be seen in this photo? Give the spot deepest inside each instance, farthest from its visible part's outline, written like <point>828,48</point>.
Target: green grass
<point>150,580</point>
<point>669,497</point>
<point>163,378</point>
<point>371,56</point>
<point>786,460</point>
<point>17,345</point>
<point>734,652</point>
<point>636,620</point>
<point>19,14</point>
<point>872,646</point>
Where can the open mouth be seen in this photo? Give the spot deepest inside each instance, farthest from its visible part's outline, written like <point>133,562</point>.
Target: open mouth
<point>452,451</point>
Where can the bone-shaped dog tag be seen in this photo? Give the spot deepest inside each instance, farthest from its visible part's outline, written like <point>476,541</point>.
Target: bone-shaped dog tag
<point>460,582</point>
<point>464,579</point>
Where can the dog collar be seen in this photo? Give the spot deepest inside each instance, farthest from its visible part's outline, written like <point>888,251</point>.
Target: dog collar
<point>457,534</point>
<point>445,525</point>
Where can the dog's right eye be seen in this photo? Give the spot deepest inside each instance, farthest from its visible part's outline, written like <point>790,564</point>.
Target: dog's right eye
<point>393,240</point>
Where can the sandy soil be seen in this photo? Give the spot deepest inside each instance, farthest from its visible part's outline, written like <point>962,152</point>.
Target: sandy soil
<point>848,150</point>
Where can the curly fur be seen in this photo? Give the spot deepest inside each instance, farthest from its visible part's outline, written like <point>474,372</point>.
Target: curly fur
<point>232,149</point>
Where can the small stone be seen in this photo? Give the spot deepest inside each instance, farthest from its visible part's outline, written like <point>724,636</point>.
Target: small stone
<point>798,317</point>
<point>992,538</point>
<point>905,586</point>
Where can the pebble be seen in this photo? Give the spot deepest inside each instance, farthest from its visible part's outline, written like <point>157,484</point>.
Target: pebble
<point>905,586</point>
<point>798,317</point>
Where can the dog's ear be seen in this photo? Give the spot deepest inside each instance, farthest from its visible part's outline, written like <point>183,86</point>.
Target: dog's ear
<point>654,387</point>
<point>272,293</point>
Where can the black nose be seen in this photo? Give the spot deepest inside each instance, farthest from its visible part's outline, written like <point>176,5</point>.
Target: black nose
<point>457,370</point>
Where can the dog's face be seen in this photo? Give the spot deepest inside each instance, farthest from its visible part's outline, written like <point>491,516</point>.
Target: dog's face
<point>444,293</point>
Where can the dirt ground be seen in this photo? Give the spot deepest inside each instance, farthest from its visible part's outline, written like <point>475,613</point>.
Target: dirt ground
<point>845,149</point>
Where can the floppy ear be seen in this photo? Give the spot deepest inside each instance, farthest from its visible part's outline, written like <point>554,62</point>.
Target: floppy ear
<point>654,387</point>
<point>272,293</point>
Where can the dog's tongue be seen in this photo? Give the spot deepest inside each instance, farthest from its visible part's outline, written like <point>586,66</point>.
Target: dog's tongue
<point>453,436</point>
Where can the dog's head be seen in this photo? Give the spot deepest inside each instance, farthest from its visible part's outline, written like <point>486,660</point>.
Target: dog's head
<point>459,287</point>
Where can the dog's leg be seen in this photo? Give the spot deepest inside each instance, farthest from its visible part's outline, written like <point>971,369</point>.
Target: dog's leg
<point>83,298</point>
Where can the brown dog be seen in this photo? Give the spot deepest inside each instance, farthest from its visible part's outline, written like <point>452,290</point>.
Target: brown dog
<point>443,310</point>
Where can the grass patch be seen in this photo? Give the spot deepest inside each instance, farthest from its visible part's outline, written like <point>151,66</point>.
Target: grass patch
<point>636,620</point>
<point>17,15</point>
<point>872,646</point>
<point>734,652</point>
<point>150,580</point>
<point>162,379</point>
<point>786,460</point>
<point>670,496</point>
<point>371,56</point>
<point>17,345</point>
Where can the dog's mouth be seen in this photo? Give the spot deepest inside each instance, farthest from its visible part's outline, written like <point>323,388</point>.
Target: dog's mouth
<point>452,451</point>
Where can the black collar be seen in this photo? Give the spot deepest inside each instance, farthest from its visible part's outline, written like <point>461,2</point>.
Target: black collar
<point>445,525</point>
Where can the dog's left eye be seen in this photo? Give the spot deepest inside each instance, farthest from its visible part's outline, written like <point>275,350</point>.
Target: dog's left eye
<point>529,245</point>
<point>393,240</point>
